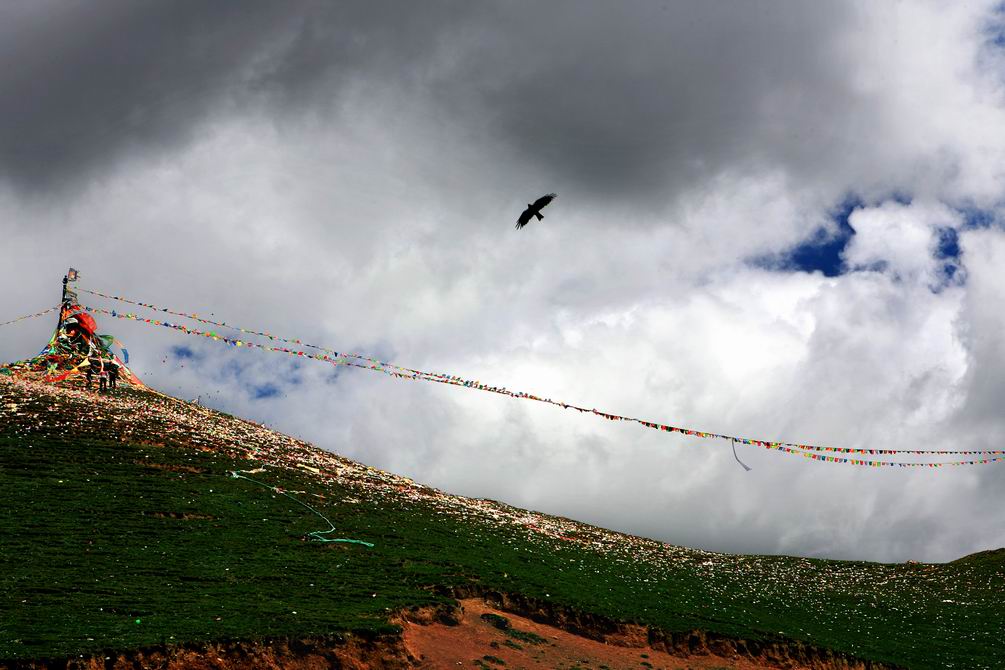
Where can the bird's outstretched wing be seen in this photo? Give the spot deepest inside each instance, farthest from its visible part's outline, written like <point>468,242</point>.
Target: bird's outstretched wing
<point>544,200</point>
<point>524,218</point>
<point>534,210</point>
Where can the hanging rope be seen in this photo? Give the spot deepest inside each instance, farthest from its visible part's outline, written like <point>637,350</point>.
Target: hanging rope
<point>316,535</point>
<point>812,452</point>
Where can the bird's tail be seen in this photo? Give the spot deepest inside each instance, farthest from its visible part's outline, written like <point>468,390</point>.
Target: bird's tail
<point>539,216</point>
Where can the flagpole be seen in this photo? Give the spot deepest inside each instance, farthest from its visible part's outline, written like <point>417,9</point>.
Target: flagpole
<point>68,294</point>
<point>62,304</point>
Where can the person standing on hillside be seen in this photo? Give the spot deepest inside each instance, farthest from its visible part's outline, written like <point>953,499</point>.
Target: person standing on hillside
<point>93,367</point>
<point>113,374</point>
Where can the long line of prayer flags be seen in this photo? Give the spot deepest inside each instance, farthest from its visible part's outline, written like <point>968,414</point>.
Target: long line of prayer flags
<point>30,316</point>
<point>811,452</point>
<point>370,361</point>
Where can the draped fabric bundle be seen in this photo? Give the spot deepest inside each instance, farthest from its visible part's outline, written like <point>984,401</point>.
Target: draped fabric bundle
<point>811,452</point>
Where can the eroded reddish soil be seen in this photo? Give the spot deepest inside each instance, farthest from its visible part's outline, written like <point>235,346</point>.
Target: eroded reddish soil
<point>472,635</point>
<point>481,639</point>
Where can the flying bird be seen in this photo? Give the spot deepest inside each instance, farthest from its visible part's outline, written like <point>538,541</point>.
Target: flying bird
<point>534,210</point>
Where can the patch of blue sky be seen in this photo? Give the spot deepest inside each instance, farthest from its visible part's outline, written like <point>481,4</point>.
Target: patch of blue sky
<point>232,369</point>
<point>992,50</point>
<point>976,217</point>
<point>256,380</point>
<point>947,244</point>
<point>947,251</point>
<point>265,391</point>
<point>182,352</point>
<point>822,251</point>
<point>996,27</point>
<point>292,376</point>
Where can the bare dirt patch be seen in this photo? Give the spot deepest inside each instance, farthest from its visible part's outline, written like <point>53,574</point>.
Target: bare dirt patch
<point>485,637</point>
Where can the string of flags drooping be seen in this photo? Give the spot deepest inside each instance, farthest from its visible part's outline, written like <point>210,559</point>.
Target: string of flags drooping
<point>372,363</point>
<point>811,452</point>
<point>30,316</point>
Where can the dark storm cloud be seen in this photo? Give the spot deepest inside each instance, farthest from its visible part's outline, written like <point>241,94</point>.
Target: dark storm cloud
<point>87,83</point>
<point>629,105</point>
<point>596,98</point>
<point>627,100</point>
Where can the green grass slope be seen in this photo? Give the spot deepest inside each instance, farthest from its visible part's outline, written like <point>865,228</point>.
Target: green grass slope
<point>122,527</point>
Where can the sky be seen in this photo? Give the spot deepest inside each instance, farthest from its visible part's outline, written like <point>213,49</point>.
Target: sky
<point>780,220</point>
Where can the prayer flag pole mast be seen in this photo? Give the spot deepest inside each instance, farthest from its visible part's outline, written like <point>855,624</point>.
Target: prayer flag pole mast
<point>69,295</point>
<point>62,304</point>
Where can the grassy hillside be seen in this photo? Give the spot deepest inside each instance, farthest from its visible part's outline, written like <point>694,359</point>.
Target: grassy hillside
<point>122,527</point>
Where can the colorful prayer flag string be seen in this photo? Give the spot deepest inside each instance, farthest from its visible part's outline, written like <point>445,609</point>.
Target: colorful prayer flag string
<point>30,316</point>
<point>373,363</point>
<point>812,452</point>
